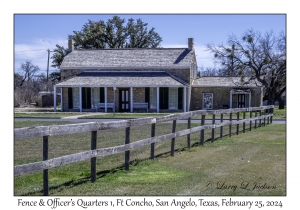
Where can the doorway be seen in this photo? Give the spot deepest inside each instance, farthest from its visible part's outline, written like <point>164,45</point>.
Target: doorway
<point>241,100</point>
<point>124,100</point>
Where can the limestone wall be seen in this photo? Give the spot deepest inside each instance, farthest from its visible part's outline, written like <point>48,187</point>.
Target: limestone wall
<point>221,97</point>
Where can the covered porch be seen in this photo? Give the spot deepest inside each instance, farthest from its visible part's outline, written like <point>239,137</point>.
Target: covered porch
<point>124,92</point>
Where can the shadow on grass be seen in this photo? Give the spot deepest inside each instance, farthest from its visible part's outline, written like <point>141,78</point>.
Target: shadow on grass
<point>101,174</point>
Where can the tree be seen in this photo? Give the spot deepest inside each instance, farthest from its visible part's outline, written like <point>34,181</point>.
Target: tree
<point>58,56</point>
<point>114,33</point>
<point>27,71</point>
<point>208,71</point>
<point>25,84</point>
<point>256,56</point>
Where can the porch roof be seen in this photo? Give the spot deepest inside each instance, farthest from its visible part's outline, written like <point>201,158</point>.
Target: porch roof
<point>225,82</point>
<point>123,79</point>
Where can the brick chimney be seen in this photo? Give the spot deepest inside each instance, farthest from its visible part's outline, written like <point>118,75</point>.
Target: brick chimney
<point>191,43</point>
<point>70,43</point>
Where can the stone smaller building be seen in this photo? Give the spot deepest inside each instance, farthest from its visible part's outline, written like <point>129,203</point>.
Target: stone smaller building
<point>225,92</point>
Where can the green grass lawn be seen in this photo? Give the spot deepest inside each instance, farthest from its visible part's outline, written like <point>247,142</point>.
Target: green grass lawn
<point>228,166</point>
<point>48,114</point>
<point>278,114</point>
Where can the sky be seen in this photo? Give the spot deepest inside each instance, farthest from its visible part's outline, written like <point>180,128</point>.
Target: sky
<point>34,34</point>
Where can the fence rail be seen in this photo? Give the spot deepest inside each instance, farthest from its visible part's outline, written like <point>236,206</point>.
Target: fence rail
<point>93,127</point>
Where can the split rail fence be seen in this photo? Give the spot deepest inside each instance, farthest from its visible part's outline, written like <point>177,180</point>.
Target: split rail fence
<point>258,115</point>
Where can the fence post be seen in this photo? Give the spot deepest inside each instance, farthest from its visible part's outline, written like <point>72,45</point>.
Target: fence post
<point>271,119</point>
<point>152,144</point>
<point>127,153</point>
<point>189,135</point>
<point>221,128</point>
<point>202,131</point>
<point>93,160</point>
<point>264,117</point>
<point>45,172</point>
<point>255,120</point>
<point>173,139</point>
<point>230,126</point>
<point>213,130</point>
<point>244,124</point>
<point>269,110</point>
<point>260,114</point>
<point>237,125</point>
<point>250,120</point>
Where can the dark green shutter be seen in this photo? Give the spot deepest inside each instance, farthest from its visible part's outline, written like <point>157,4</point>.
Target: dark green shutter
<point>102,100</point>
<point>147,96</point>
<point>163,98</point>
<point>88,98</point>
<point>83,98</point>
<point>70,98</point>
<point>180,97</point>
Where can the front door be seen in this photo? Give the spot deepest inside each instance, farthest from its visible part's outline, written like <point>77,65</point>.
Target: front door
<point>124,101</point>
<point>241,100</point>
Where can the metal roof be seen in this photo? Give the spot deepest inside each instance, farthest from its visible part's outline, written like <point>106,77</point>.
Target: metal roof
<point>123,79</point>
<point>129,58</point>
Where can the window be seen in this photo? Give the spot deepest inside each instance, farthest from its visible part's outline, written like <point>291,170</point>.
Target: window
<point>95,97</point>
<point>207,100</point>
<point>153,98</point>
<point>173,98</point>
<point>75,97</point>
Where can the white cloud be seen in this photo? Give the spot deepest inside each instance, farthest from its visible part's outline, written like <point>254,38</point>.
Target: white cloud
<point>36,52</point>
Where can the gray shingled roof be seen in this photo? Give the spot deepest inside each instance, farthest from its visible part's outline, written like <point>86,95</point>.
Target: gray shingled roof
<point>123,79</point>
<point>136,57</point>
<point>223,82</point>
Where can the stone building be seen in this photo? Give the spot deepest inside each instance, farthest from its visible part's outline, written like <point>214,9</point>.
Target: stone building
<point>147,79</point>
<point>225,92</point>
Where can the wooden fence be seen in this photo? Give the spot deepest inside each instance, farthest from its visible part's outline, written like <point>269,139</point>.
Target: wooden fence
<point>260,114</point>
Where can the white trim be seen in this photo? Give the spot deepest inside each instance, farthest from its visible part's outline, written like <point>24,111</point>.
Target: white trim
<point>131,99</point>
<point>157,100</point>
<point>61,100</point>
<point>184,99</point>
<point>80,99</point>
<point>105,99</point>
<point>54,100</point>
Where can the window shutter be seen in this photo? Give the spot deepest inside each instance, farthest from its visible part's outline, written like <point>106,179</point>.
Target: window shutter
<point>102,100</point>
<point>180,97</point>
<point>70,99</point>
<point>163,98</point>
<point>147,96</point>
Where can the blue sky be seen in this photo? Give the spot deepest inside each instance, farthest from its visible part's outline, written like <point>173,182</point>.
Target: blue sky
<point>35,33</point>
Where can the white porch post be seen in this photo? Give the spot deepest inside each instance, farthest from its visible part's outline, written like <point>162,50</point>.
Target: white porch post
<point>131,99</point>
<point>230,99</point>
<point>105,99</point>
<point>157,99</point>
<point>80,99</point>
<point>250,99</point>
<point>54,95</point>
<point>61,99</point>
<point>184,99</point>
